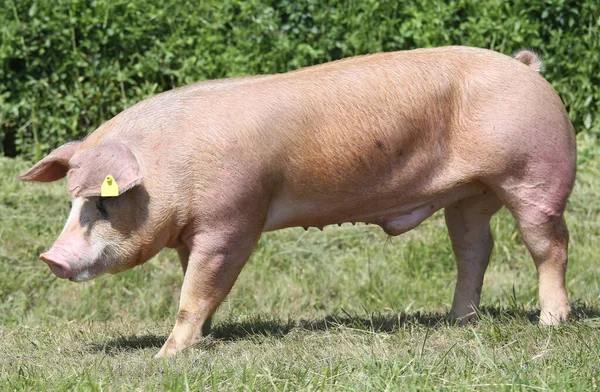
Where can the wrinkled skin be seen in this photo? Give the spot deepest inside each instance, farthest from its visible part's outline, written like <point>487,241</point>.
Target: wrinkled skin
<point>386,139</point>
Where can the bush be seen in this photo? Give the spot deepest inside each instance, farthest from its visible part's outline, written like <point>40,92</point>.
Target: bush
<point>68,66</point>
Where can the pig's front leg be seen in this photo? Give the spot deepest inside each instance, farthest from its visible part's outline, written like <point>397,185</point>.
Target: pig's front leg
<point>214,263</point>
<point>184,255</point>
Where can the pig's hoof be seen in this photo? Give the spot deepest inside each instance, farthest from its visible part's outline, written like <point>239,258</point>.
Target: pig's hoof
<point>556,317</point>
<point>463,320</point>
<point>168,350</point>
<point>165,353</point>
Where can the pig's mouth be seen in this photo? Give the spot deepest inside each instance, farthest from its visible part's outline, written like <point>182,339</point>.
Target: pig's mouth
<point>68,274</point>
<point>82,277</point>
<point>59,271</point>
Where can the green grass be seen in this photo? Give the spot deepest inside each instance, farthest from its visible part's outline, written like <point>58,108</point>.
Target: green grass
<point>346,309</point>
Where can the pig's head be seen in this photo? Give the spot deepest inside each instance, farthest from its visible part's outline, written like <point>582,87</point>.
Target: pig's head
<point>102,233</point>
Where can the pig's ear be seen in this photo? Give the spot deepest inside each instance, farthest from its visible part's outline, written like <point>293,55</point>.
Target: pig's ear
<point>90,167</point>
<point>54,166</point>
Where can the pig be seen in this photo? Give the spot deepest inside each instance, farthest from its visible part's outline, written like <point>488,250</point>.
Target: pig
<point>386,139</point>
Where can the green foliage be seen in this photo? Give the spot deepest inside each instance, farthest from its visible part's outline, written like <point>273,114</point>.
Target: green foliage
<point>69,65</point>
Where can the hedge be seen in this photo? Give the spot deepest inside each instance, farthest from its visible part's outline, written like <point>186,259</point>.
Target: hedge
<point>68,66</point>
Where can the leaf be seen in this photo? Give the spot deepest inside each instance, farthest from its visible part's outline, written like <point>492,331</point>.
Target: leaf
<point>587,120</point>
<point>32,9</point>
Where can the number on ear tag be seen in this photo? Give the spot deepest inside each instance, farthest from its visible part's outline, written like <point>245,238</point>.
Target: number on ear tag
<point>109,187</point>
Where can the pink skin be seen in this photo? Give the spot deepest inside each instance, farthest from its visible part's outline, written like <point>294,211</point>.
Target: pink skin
<point>74,256</point>
<point>67,264</point>
<point>386,139</point>
<point>57,261</point>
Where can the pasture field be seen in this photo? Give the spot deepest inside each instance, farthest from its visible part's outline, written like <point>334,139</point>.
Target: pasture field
<point>346,309</point>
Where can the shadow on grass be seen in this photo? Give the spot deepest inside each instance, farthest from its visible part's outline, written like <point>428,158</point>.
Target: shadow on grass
<point>128,343</point>
<point>259,326</point>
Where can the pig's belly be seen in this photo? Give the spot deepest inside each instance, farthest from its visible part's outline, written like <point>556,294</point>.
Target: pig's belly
<point>396,215</point>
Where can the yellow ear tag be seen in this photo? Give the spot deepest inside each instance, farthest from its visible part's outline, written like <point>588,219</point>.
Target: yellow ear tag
<point>109,187</point>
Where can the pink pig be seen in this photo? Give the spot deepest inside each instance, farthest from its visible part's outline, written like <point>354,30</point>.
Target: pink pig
<point>386,139</point>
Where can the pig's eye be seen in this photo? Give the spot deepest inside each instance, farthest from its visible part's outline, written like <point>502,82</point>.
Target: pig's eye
<point>102,208</point>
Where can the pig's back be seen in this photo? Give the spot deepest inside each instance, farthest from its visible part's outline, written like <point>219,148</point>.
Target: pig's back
<point>384,131</point>
<point>366,131</point>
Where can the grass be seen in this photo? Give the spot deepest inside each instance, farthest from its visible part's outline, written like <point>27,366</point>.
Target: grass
<point>346,309</point>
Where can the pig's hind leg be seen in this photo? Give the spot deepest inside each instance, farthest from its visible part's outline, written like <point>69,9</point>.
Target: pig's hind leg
<point>546,236</point>
<point>548,244</point>
<point>468,222</point>
<point>537,201</point>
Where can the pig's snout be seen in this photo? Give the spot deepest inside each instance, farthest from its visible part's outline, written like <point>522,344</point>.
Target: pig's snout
<point>57,263</point>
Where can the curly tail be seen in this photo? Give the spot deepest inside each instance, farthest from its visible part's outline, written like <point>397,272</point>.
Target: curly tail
<point>529,58</point>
